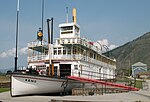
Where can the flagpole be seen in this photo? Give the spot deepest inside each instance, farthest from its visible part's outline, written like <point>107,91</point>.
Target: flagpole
<point>66,14</point>
<point>17,33</point>
<point>42,13</point>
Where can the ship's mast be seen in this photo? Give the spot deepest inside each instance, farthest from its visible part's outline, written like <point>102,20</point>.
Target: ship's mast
<point>50,43</point>
<point>17,33</point>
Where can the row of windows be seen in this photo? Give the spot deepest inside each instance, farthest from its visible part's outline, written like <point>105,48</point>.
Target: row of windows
<point>67,28</point>
<point>67,32</point>
<point>79,50</point>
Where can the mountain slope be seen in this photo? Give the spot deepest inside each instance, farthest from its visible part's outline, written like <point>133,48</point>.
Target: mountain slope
<point>137,50</point>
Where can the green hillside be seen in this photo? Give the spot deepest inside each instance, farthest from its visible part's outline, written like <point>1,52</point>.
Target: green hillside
<point>134,51</point>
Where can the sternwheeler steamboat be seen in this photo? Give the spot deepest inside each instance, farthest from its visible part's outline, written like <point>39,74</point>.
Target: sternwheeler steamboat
<point>51,64</point>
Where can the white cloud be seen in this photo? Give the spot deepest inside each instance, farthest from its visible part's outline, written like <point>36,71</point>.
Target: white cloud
<point>104,42</point>
<point>11,52</point>
<point>23,51</point>
<point>104,45</point>
<point>112,47</point>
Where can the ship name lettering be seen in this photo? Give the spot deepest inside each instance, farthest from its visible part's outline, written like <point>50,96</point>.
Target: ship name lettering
<point>30,80</point>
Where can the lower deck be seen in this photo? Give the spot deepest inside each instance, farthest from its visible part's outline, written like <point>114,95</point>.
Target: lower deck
<point>74,68</point>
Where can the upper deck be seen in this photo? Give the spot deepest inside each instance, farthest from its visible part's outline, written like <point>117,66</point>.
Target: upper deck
<point>38,45</point>
<point>67,49</point>
<point>78,41</point>
<point>69,46</point>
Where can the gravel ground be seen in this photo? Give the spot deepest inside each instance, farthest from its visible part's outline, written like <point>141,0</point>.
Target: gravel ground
<point>139,96</point>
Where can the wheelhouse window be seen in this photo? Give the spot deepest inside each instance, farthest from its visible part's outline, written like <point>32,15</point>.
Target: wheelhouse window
<point>76,29</point>
<point>67,28</point>
<point>55,51</point>
<point>66,32</point>
<point>59,51</point>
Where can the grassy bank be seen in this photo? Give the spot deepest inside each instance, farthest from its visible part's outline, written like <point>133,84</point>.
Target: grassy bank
<point>4,89</point>
<point>138,84</point>
<point>4,78</point>
<point>4,83</point>
<point>130,82</point>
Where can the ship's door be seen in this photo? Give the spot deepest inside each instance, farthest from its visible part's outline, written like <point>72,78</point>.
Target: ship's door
<point>55,70</point>
<point>65,70</point>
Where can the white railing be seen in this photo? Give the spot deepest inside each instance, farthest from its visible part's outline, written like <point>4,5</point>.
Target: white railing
<point>38,58</point>
<point>81,41</point>
<point>94,61</point>
<point>90,74</point>
<point>37,43</point>
<point>70,57</point>
<point>67,57</point>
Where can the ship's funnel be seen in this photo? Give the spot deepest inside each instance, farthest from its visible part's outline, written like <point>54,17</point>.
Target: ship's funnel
<point>74,15</point>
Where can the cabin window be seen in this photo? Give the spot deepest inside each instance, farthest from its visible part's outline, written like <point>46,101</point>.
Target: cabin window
<point>69,51</point>
<point>103,59</point>
<point>110,70</point>
<point>59,51</point>
<point>99,70</point>
<point>100,57</point>
<point>64,51</point>
<point>73,41</point>
<point>74,50</point>
<point>46,52</point>
<point>76,67</point>
<point>94,56</point>
<point>82,51</point>
<point>63,41</point>
<point>55,51</point>
<point>91,55</point>
<point>78,40</point>
<point>58,41</point>
<point>97,56</point>
<point>68,40</point>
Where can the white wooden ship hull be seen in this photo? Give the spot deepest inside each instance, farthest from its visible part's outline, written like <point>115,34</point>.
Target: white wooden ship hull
<point>27,84</point>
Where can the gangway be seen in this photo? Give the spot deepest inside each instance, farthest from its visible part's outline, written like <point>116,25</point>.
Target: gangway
<point>103,83</point>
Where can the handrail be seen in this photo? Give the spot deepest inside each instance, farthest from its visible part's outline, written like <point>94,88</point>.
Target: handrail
<point>103,83</point>
<point>97,74</point>
<point>93,75</point>
<point>81,41</point>
<point>37,43</point>
<point>37,58</point>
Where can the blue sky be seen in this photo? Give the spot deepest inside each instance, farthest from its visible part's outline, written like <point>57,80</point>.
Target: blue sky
<point>116,21</point>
